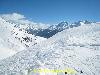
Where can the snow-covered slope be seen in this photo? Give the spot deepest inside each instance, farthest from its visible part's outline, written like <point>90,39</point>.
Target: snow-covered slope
<point>14,39</point>
<point>77,48</point>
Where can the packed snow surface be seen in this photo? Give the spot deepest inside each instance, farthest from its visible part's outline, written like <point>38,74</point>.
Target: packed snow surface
<point>77,48</point>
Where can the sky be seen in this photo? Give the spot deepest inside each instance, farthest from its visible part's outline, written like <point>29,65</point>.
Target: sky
<point>53,11</point>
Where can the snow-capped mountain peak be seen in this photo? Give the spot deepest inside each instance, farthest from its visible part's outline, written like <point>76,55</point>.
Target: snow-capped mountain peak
<point>61,26</point>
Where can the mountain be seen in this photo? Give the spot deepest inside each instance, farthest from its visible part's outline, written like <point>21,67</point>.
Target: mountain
<point>13,34</point>
<point>77,48</point>
<point>53,29</point>
<point>50,31</point>
<point>76,24</point>
<point>39,29</point>
<point>61,26</point>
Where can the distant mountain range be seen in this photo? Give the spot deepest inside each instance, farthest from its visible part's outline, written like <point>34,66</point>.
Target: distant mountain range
<point>39,29</point>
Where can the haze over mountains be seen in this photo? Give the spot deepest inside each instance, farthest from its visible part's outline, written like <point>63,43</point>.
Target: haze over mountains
<point>26,45</point>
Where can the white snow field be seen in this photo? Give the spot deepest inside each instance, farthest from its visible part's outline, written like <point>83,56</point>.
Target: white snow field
<point>6,52</point>
<point>76,48</point>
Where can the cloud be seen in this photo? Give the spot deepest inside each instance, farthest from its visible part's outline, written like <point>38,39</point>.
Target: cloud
<point>13,16</point>
<point>22,20</point>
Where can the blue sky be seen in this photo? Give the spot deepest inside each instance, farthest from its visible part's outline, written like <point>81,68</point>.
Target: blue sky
<point>53,11</point>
